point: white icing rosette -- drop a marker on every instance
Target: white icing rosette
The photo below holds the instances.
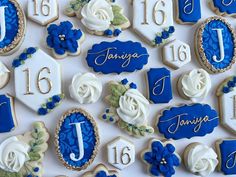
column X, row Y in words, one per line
column 195, row 85
column 85, row 88
column 133, row 107
column 13, row 154
column 97, row 15
column 201, row 159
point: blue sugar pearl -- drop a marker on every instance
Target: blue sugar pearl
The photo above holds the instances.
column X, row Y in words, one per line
column 171, row 29
column 36, row 169
column 165, row 34
column 50, row 105
column 16, row 63
column 124, row 81
column 31, row 50
column 226, row 90
column 104, row 116
column 107, row 110
column 111, row 119
column 158, row 40
column 29, row 175
column 231, row 84
column 56, row 98
column 133, row 85
column 23, row 56
column 108, row 32
column 42, row 111
column 117, row 32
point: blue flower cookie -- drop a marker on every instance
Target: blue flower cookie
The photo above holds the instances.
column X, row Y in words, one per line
column 101, row 171
column 223, row 7
column 216, row 45
column 8, row 120
column 13, row 26
column 160, row 158
column 76, row 139
column 64, row 40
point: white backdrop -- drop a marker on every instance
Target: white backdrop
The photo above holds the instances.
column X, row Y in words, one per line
column 36, row 35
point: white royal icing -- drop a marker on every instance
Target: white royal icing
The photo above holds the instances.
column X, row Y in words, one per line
column 133, row 107
column 13, row 154
column 202, row 160
column 97, row 15
column 4, row 75
column 2, row 23
column 85, row 88
column 196, row 84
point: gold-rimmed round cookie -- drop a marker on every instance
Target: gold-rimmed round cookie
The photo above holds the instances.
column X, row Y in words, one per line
column 13, row 25
column 76, row 139
column 215, row 45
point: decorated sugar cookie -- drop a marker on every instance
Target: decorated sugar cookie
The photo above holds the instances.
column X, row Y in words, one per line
column 64, row 40
column 120, row 153
column 100, row 17
column 226, row 149
column 13, row 24
column 22, row 155
column 85, row 88
column 194, row 85
column 159, row 85
column 8, row 120
column 226, row 93
column 223, row 7
column 153, row 20
column 4, row 75
column 188, row 11
column 37, row 80
column 43, row 12
column 215, row 45
column 187, row 121
column 101, row 171
column 129, row 109
column 200, row 159
column 117, row 57
column 176, row 54
column 160, row 158
column 78, row 131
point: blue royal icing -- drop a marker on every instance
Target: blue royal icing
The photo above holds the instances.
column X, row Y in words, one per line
column 77, row 139
column 117, row 57
column 162, row 159
column 103, row 174
column 225, row 6
column 187, row 121
column 6, row 114
column 227, row 150
column 159, row 84
column 189, row 10
column 212, row 46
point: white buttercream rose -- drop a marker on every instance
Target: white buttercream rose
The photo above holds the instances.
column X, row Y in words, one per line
column 201, row 160
column 13, row 154
column 97, row 15
column 133, row 107
column 196, row 84
column 85, row 88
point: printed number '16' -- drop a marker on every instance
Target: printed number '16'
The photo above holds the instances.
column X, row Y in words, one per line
column 125, row 158
column 44, row 7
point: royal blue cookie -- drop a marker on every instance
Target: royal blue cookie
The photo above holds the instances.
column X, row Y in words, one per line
column 224, row 7
column 13, row 24
column 189, row 11
column 216, row 45
column 187, row 121
column 159, row 85
column 8, row 120
column 226, row 150
column 77, row 139
column 117, row 57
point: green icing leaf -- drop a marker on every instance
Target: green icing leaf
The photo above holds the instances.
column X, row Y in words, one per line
column 9, row 174
column 117, row 90
column 34, row 156
column 75, row 6
column 119, row 18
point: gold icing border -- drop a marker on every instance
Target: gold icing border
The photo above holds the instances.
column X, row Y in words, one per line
column 21, row 31
column 56, row 142
column 199, row 47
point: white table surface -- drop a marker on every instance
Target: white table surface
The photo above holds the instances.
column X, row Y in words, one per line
column 36, row 35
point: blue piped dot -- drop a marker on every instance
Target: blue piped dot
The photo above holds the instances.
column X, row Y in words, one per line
column 29, row 175
column 231, row 84
column 36, row 169
column 165, row 34
column 104, row 116
column 158, row 40
column 171, row 29
column 108, row 32
column 56, row 98
column 117, row 32
column 124, row 81
column 31, row 50
column 111, row 119
column 226, row 90
column 23, row 56
column 50, row 105
column 133, row 85
column 16, row 63
column 107, row 110
column 42, row 111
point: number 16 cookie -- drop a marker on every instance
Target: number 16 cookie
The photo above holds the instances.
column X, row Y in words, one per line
column 37, row 80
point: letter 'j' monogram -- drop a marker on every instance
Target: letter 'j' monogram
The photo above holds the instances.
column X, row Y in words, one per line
column 2, row 23
column 221, row 46
column 80, row 142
